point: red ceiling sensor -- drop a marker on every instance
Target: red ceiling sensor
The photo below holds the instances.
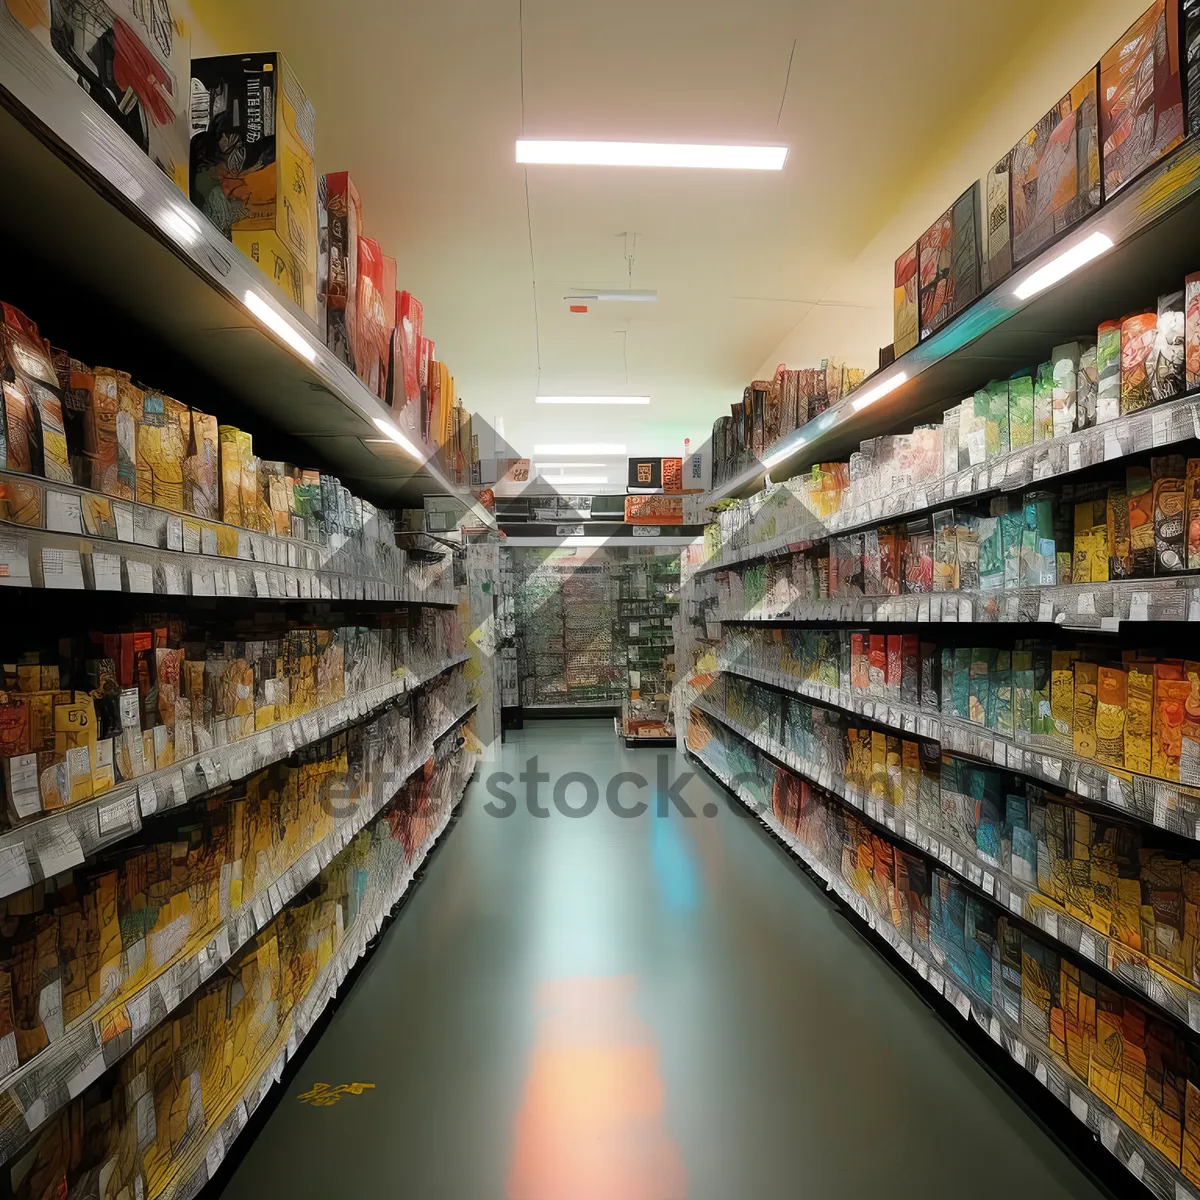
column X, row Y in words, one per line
column 579, row 308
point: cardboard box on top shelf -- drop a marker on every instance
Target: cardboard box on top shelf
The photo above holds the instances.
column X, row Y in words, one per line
column 343, row 223
column 252, row 165
column 376, row 315
column 133, row 60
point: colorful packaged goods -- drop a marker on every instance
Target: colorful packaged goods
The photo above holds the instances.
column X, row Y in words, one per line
column 1056, row 171
column 1169, row 486
column 36, row 434
column 948, row 262
column 252, row 166
column 1192, row 330
column 376, row 315
column 997, row 254
column 1108, row 365
column 1138, row 335
column 339, row 289
column 1166, row 366
column 1141, row 96
column 133, row 60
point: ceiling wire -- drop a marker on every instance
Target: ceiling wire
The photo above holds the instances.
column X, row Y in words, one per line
column 787, row 79
column 537, row 331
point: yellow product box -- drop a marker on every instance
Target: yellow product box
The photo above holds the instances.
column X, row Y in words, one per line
column 1062, row 696
column 252, row 165
column 1084, row 732
column 1139, row 715
column 231, row 475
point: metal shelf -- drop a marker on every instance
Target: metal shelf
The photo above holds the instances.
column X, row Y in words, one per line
column 108, row 226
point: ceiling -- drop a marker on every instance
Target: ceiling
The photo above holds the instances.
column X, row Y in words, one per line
column 885, row 106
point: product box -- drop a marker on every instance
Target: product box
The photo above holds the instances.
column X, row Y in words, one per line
column 948, row 262
column 1189, row 750
column 406, row 387
column 1063, row 148
column 996, row 230
column 1043, row 403
column 1087, row 388
column 1020, row 411
column 133, row 60
column 1192, row 514
column 978, row 699
column 252, row 172
column 376, row 315
column 931, row 676
column 161, row 451
column 1065, row 360
column 1139, row 716
column 229, row 437
column 961, row 682
column 1169, row 482
column 32, row 401
column 1171, row 691
column 1022, row 691
column 1166, row 367
column 1084, row 721
column 343, row 210
column 1139, row 489
column 950, row 436
column 997, row 426
column 1091, row 541
column 1137, row 344
column 1108, row 365
column 1141, row 96
column 1062, row 697
column 201, row 466
column 1192, row 306
column 1120, row 563
column 905, row 313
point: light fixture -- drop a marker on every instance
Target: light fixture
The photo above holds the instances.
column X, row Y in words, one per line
column 612, row 449
column 1062, row 266
column 180, row 225
column 777, row 456
column 569, row 466
column 878, row 392
column 573, row 479
column 650, row 154
column 283, row 329
column 592, row 400
column 634, row 295
column 386, row 427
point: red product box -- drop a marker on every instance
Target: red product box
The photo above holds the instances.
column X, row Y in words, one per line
column 877, row 663
column 859, row 676
column 376, row 317
column 406, row 387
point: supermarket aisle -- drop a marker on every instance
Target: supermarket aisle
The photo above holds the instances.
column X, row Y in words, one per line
column 637, row 1009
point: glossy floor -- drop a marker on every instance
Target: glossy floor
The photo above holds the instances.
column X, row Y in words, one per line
column 639, row 1008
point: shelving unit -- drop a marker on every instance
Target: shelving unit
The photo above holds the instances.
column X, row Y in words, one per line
column 105, row 218
column 246, row 864
column 646, row 608
column 828, row 713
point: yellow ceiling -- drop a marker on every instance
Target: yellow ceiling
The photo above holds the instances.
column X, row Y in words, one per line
column 892, row 108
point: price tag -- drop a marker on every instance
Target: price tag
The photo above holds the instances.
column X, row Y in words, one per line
column 1086, row 605
column 1112, row 445
column 1050, row 923
column 262, row 588
column 1045, row 610
column 1051, row 767
column 1160, row 427
column 175, row 533
column 147, row 798
column 1139, row 606
column 965, row 613
column 1074, row 456
column 1087, row 945
column 1016, row 903
column 989, row 883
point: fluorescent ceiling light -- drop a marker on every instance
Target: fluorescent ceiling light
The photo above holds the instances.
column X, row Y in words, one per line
column 396, row 436
column 571, row 466
column 1062, row 266
column 634, row 295
column 572, row 479
column 876, row 393
column 592, row 400
column 776, row 457
column 613, row 449
column 284, row 330
column 650, row 154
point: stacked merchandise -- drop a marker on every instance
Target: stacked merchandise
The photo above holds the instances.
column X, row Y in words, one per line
column 1128, row 1068
column 1122, row 117
column 159, row 1124
column 95, row 711
column 565, row 613
column 646, row 607
column 770, row 410
column 93, row 427
column 1147, row 359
